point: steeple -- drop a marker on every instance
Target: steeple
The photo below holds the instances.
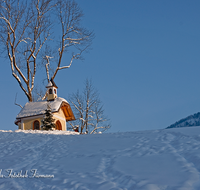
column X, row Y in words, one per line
column 51, row 90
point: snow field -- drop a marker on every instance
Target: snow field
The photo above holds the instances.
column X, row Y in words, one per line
column 146, row 160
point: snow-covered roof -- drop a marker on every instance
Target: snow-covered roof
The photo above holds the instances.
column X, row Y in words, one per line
column 49, row 84
column 37, row 108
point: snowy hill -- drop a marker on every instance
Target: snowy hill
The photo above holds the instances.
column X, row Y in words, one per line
column 144, row 160
column 192, row 120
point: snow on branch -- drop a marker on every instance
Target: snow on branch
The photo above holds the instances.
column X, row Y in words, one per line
column 73, row 57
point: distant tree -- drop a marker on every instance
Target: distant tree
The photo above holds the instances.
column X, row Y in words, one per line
column 48, row 120
column 192, row 120
column 89, row 112
column 34, row 31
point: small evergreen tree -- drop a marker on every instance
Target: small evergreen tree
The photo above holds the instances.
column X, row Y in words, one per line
column 48, row 121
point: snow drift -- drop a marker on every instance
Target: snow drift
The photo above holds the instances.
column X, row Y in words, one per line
column 145, row 160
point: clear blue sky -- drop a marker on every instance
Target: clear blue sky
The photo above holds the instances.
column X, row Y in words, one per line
column 145, row 62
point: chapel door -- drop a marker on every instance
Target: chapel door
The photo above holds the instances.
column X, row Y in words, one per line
column 36, row 125
column 58, row 125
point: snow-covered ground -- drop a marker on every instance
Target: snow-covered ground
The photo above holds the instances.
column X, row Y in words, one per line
column 166, row 159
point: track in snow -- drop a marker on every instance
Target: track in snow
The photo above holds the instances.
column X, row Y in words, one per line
column 147, row 160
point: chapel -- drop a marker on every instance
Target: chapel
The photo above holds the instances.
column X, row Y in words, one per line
column 32, row 114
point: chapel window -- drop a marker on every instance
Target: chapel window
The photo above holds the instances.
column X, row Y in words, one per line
column 50, row 91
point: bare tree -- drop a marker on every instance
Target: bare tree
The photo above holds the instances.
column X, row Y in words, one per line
column 26, row 33
column 88, row 111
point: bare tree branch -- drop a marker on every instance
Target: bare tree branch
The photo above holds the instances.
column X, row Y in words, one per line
column 69, row 15
column 103, row 127
column 16, row 100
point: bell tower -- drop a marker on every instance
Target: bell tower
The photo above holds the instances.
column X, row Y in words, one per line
column 51, row 90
